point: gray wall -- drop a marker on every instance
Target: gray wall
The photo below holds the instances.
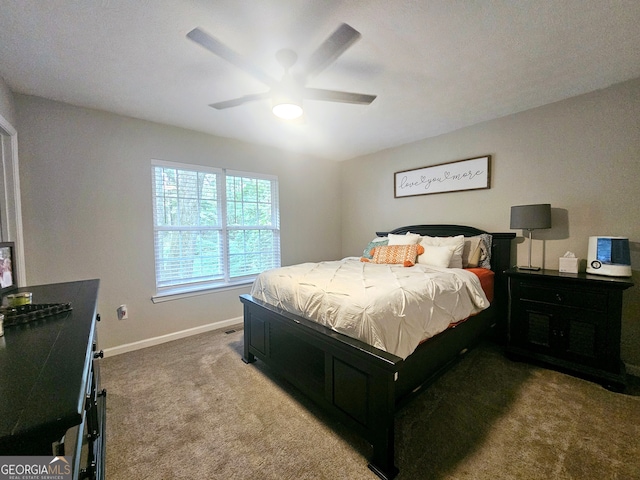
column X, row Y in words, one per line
column 581, row 155
column 87, row 211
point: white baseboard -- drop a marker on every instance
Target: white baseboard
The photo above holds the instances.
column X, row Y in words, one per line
column 149, row 342
column 633, row 370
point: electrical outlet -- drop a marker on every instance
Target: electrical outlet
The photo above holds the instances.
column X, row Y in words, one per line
column 123, row 312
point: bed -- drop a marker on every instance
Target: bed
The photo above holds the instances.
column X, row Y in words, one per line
column 359, row 384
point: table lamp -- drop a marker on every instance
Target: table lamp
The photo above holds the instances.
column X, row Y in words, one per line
column 531, row 217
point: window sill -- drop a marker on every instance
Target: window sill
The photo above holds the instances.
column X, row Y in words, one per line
column 182, row 292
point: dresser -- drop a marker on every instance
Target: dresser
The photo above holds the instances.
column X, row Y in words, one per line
column 568, row 321
column 51, row 401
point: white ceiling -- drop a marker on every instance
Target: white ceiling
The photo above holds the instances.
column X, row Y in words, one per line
column 436, row 66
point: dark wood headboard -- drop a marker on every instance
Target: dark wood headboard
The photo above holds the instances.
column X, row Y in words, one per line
column 500, row 248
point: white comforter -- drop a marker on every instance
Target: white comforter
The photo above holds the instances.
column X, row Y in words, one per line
column 390, row 307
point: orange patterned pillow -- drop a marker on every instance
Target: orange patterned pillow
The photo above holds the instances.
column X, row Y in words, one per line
column 397, row 254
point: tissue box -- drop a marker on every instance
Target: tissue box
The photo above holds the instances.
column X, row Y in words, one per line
column 569, row 265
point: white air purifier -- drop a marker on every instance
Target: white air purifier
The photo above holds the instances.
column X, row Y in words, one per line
column 609, row 256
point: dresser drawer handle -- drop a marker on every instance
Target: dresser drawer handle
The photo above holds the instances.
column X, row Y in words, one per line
column 559, row 298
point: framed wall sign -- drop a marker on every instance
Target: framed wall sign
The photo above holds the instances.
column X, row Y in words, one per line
column 468, row 174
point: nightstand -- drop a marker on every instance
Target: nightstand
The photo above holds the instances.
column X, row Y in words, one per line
column 568, row 321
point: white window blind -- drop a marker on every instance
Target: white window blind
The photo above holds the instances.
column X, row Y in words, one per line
column 212, row 227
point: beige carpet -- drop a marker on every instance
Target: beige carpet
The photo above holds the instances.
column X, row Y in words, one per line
column 191, row 409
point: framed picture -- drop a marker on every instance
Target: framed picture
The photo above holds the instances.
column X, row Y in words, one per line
column 468, row 174
column 8, row 276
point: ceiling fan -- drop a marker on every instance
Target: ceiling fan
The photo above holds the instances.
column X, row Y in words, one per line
column 287, row 94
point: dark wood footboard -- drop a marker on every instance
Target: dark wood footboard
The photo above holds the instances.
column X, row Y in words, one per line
column 347, row 378
column 360, row 385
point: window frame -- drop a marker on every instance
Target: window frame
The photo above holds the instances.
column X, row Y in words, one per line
column 187, row 289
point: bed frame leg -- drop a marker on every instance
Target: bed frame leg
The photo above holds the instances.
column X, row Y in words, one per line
column 383, row 475
column 247, row 356
column 383, row 457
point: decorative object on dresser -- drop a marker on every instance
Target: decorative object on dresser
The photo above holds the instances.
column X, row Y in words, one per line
column 8, row 274
column 572, row 322
column 530, row 218
column 361, row 385
column 22, row 314
column 52, row 402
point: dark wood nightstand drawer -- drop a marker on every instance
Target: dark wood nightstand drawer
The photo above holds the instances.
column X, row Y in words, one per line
column 562, row 296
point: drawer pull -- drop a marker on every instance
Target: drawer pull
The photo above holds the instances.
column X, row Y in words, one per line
column 559, row 298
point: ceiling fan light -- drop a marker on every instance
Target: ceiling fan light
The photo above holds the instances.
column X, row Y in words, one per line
column 287, row 110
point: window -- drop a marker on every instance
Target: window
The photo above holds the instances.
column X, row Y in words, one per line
column 212, row 227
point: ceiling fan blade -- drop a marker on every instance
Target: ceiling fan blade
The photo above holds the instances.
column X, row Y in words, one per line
column 218, row 48
column 336, row 96
column 240, row 101
column 331, row 49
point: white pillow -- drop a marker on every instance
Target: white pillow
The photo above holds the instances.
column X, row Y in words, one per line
column 472, row 252
column 436, row 256
column 457, row 242
column 407, row 239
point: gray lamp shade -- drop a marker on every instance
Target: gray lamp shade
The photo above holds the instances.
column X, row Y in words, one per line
column 531, row 217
